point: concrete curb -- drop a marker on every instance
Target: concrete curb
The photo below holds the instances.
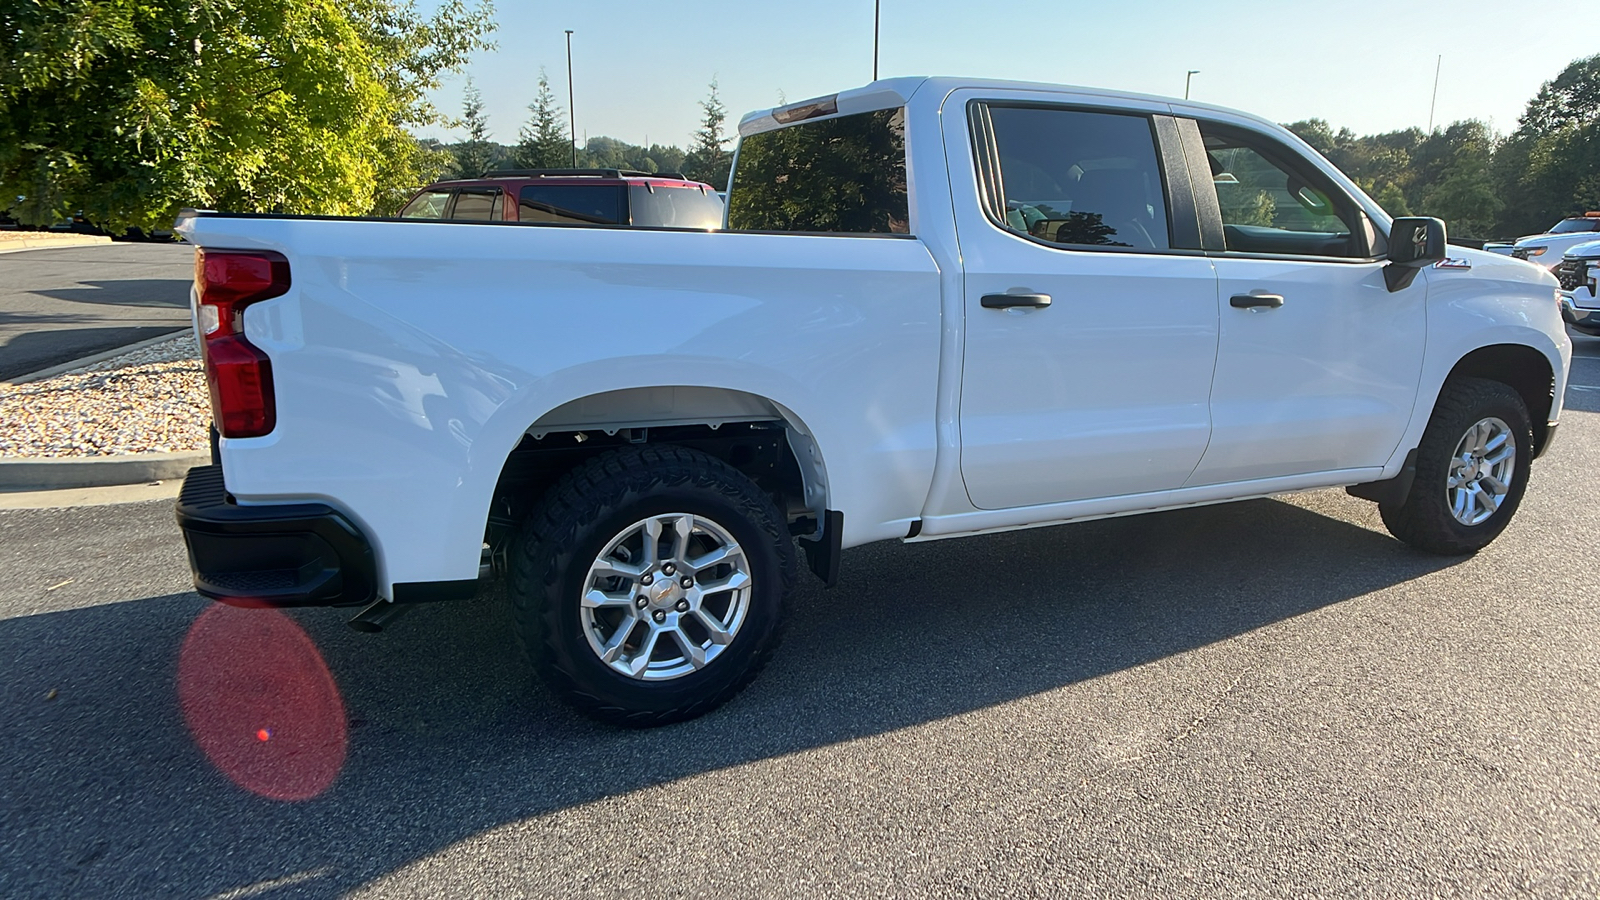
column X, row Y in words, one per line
column 92, row 358
column 43, row 240
column 98, row 471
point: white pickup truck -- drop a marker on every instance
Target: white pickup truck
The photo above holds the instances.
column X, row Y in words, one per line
column 939, row 308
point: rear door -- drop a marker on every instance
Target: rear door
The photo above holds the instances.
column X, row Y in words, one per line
column 1090, row 308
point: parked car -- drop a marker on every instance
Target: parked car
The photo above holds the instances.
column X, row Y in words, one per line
column 1547, row 249
column 1580, row 297
column 941, row 307
column 572, row 197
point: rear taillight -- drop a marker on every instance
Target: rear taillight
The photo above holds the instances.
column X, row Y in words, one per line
column 238, row 373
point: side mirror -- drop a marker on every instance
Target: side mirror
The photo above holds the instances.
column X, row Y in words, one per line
column 1413, row 244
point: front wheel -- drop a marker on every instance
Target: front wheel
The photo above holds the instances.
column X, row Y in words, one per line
column 1472, row 469
column 650, row 584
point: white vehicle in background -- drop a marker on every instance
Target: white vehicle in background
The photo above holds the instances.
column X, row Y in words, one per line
column 1547, row 249
column 1580, row 297
column 941, row 307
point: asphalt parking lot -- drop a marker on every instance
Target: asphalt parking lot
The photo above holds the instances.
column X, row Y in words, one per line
column 57, row 305
column 1264, row 699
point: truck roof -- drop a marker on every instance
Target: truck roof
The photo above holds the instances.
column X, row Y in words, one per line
column 892, row 92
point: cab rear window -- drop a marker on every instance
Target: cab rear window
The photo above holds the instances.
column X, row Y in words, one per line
column 844, row 175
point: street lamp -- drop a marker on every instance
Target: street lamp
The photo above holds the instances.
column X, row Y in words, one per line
column 572, row 114
column 876, row 9
column 1186, row 79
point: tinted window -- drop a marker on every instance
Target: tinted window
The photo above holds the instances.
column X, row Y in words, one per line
column 1081, row 178
column 846, row 174
column 478, row 206
column 1576, row 226
column 1272, row 201
column 427, row 205
column 571, row 204
column 674, row 207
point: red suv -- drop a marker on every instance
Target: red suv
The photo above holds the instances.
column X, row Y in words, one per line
column 572, row 197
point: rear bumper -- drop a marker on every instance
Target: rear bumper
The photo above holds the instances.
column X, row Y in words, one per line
column 300, row 554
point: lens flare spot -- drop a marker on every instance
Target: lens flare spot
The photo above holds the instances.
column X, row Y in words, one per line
column 241, row 666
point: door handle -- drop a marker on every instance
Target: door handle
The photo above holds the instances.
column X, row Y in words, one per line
column 1254, row 300
column 1010, row 301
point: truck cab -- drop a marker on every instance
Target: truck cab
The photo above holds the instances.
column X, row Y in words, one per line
column 939, row 307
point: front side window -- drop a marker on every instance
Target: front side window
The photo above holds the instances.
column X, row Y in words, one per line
column 1272, row 202
column 571, row 204
column 1087, row 179
column 426, row 205
column 842, row 175
column 477, row 206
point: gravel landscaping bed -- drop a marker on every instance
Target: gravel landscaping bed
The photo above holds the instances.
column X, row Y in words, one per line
column 149, row 400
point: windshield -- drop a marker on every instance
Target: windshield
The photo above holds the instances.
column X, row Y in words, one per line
column 1575, row 226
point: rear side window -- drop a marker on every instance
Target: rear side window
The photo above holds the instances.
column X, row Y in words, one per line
column 674, row 207
column 477, row 206
column 571, row 204
column 427, row 205
column 1080, row 178
column 844, row 175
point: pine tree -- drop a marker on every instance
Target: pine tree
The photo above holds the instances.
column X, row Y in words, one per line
column 542, row 143
column 709, row 160
column 475, row 154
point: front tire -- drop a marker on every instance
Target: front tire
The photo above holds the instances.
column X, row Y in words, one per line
column 1472, row 470
column 650, row 584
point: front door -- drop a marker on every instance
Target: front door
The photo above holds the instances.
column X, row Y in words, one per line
column 1091, row 314
column 1318, row 363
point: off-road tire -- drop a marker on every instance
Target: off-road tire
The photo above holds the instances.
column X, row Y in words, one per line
column 1424, row 520
column 571, row 525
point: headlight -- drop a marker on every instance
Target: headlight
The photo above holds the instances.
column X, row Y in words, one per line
column 1536, row 251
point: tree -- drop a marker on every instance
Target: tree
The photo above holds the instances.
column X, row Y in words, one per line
column 474, row 155
column 708, row 160
column 1547, row 168
column 129, row 110
column 1571, row 98
column 543, row 143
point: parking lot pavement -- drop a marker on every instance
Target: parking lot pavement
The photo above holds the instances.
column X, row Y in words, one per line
column 1264, row 699
column 57, row 305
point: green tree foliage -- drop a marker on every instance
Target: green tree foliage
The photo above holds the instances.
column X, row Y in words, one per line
column 130, row 109
column 1483, row 187
column 841, row 174
column 477, row 153
column 709, row 160
column 543, row 143
column 1550, row 166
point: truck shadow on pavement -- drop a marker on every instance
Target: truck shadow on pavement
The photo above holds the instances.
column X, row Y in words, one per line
column 106, row 792
column 32, row 351
column 162, row 292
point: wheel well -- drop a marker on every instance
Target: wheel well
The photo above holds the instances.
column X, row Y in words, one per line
column 1526, row 370
column 763, row 449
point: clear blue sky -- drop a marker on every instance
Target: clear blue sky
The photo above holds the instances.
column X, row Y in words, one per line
column 640, row 69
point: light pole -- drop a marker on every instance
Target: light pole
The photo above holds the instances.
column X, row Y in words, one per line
column 1438, row 64
column 572, row 114
column 1186, row 79
column 876, row 9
